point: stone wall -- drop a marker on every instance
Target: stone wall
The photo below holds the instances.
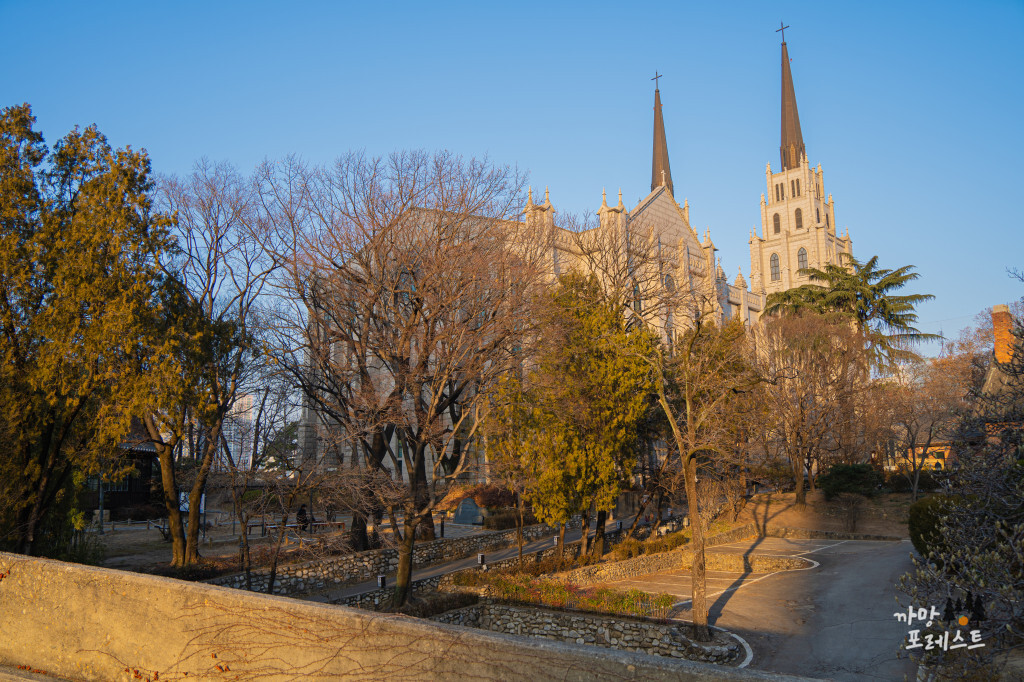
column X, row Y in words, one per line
column 613, row 632
column 363, row 566
column 804, row 534
column 87, row 623
column 375, row 598
column 656, row 563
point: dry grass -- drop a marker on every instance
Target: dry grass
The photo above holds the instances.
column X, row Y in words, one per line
column 881, row 515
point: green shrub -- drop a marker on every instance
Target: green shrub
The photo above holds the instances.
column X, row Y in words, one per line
column 923, row 522
column 507, row 518
column 898, row 482
column 631, row 547
column 433, row 603
column 862, row 479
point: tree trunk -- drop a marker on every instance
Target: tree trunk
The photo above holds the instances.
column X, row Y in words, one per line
column 281, row 530
column 798, row 479
column 598, row 548
column 521, row 505
column 195, row 497
column 698, row 571
column 357, row 534
column 560, row 549
column 244, row 557
column 165, row 456
column 403, row 580
column 584, row 533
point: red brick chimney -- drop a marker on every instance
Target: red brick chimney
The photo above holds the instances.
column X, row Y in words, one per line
column 1002, row 325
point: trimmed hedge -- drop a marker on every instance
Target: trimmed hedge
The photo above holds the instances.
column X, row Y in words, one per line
column 923, row 522
column 862, row 479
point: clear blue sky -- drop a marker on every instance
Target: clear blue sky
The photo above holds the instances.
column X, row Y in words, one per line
column 915, row 110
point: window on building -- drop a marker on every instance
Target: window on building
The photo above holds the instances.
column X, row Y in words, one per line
column 776, row 273
column 799, row 215
column 817, row 215
column 636, row 299
column 777, row 222
column 801, row 258
column 792, row 188
column 798, row 187
column 826, row 218
column 670, row 284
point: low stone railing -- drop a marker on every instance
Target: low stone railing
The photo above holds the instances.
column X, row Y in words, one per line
column 86, row 623
column 612, row 632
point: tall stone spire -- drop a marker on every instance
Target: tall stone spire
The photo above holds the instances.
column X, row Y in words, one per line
column 661, row 174
column 791, row 150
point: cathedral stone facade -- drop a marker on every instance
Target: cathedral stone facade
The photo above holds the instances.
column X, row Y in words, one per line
column 798, row 227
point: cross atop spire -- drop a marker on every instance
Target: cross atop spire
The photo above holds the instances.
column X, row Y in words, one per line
column 656, row 77
column 781, row 29
column 791, row 147
column 661, row 173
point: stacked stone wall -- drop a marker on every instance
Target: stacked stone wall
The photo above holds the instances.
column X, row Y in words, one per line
column 662, row 561
column 612, row 632
column 375, row 598
column 804, row 534
column 363, row 566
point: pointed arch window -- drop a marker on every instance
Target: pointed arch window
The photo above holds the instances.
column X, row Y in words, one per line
column 801, row 258
column 826, row 219
column 636, row 298
column 776, row 272
column 817, row 215
column 777, row 223
column 670, row 285
column 799, row 215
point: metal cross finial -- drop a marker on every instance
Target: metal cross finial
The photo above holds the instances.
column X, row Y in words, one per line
column 656, row 77
column 781, row 29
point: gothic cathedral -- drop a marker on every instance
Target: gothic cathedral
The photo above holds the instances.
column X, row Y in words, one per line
column 798, row 222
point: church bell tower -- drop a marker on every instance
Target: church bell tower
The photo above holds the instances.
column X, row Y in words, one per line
column 798, row 223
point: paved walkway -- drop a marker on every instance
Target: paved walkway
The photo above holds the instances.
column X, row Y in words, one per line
column 333, row 594
column 833, row 619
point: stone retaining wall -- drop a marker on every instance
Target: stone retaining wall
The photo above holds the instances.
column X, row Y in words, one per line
column 655, row 563
column 804, row 534
column 375, row 598
column 363, row 566
column 612, row 632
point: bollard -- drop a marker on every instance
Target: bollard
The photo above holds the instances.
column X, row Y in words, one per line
column 620, row 526
column 554, row 542
column 381, row 581
column 480, row 559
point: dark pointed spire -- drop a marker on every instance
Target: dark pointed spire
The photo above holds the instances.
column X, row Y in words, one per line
column 661, row 174
column 791, row 150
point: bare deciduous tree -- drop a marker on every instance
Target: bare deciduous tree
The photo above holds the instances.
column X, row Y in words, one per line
column 223, row 265
column 814, row 372
column 411, row 281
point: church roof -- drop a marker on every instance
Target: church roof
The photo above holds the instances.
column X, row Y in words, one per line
column 791, row 148
column 661, row 174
